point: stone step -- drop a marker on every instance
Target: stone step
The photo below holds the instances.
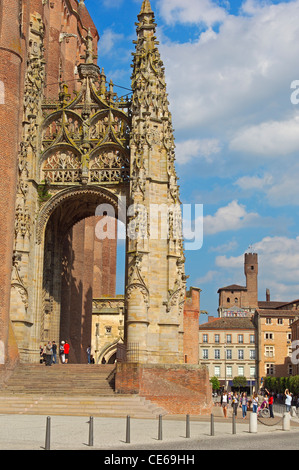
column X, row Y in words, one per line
column 119, row 406
column 71, row 379
column 70, row 390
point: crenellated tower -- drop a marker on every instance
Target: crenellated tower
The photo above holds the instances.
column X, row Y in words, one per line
column 156, row 279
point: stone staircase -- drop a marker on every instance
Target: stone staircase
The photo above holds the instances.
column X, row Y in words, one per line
column 70, row 390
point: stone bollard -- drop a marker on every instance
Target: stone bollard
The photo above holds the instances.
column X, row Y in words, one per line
column 286, row 422
column 48, row 434
column 234, row 431
column 90, row 436
column 160, row 428
column 128, row 430
column 253, row 423
column 212, row 433
column 187, row 426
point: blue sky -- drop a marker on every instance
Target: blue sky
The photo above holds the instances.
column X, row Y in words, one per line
column 229, row 69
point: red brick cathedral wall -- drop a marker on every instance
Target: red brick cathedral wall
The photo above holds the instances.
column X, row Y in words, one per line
column 58, row 16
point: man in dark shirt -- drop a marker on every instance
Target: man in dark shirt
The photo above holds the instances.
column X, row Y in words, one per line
column 54, row 349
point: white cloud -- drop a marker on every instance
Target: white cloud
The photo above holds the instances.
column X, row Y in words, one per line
column 236, row 77
column 208, row 277
column 254, row 182
column 225, row 247
column 191, row 11
column 285, row 188
column 197, row 148
column 232, row 262
column 231, row 217
column 109, row 39
column 272, row 138
column 278, row 266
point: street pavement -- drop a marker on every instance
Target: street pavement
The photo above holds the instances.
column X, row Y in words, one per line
column 28, row 432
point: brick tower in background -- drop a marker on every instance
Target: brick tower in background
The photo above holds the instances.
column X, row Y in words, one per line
column 251, row 273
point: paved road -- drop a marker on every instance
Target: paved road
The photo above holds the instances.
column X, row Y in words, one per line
column 278, row 441
column 25, row 432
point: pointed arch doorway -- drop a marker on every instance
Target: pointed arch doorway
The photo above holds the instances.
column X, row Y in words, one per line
column 77, row 267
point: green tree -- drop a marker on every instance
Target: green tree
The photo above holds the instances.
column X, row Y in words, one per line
column 239, row 381
column 215, row 383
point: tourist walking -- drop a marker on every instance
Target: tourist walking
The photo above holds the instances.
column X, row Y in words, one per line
column 235, row 402
column 41, row 354
column 224, row 402
column 61, row 352
column 271, row 403
column 66, row 351
column 288, row 400
column 244, row 403
column 255, row 402
column 49, row 353
column 54, row 349
column 88, row 350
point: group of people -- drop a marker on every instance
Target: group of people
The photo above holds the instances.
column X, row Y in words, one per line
column 48, row 353
column 241, row 400
column 235, row 400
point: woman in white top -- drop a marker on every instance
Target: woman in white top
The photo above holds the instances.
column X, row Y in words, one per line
column 224, row 402
column 255, row 402
column 288, row 400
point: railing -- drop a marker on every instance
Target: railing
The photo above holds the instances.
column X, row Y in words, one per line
column 127, row 352
column 280, row 408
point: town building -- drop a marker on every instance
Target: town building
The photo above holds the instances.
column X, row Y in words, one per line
column 274, row 342
column 295, row 346
column 272, row 321
column 227, row 346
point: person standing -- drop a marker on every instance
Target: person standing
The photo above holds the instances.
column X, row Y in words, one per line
column 41, row 354
column 288, row 400
column 54, row 349
column 224, row 402
column 271, row 403
column 61, row 352
column 255, row 402
column 235, row 402
column 244, row 403
column 66, row 351
column 88, row 350
column 49, row 353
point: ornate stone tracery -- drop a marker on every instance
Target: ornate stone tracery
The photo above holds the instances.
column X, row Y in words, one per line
column 88, row 147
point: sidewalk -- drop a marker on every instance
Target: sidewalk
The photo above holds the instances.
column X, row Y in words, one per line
column 27, row 432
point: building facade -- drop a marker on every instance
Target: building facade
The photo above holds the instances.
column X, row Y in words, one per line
column 227, row 346
column 272, row 321
column 240, row 301
column 74, row 146
column 274, row 329
column 295, row 346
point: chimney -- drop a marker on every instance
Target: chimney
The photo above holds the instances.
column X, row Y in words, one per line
column 268, row 295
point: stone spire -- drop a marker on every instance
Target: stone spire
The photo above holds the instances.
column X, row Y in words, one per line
column 146, row 7
column 148, row 79
column 155, row 309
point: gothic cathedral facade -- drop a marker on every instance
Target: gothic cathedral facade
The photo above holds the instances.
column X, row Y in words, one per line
column 71, row 150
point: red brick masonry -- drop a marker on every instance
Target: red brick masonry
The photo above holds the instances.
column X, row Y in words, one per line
column 179, row 389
